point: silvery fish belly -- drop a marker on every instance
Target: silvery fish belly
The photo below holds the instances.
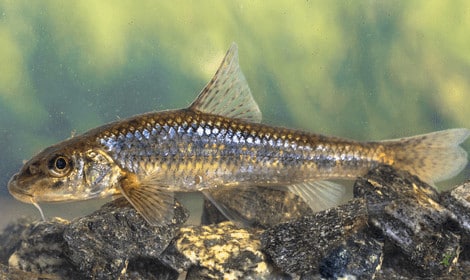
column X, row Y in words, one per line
column 219, row 142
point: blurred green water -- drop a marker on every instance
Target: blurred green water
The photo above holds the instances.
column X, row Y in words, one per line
column 358, row 69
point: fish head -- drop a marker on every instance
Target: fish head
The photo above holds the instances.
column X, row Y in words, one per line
column 68, row 171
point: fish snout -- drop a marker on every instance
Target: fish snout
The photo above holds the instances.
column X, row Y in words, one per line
column 17, row 191
column 13, row 178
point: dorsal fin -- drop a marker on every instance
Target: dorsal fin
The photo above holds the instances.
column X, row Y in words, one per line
column 228, row 94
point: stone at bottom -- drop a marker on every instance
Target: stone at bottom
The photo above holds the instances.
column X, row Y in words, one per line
column 458, row 201
column 40, row 249
column 106, row 243
column 300, row 246
column 110, row 243
column 219, row 251
column 408, row 214
column 360, row 256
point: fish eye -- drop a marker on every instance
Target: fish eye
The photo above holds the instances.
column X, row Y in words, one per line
column 60, row 163
column 59, row 166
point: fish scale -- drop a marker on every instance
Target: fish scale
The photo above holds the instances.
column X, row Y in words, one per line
column 251, row 150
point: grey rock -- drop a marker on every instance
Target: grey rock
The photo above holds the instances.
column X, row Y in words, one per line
column 457, row 200
column 460, row 271
column 103, row 244
column 299, row 246
column 11, row 273
column 465, row 245
column 113, row 242
column 12, row 236
column 407, row 212
column 40, row 249
column 358, row 257
column 149, row 269
column 176, row 259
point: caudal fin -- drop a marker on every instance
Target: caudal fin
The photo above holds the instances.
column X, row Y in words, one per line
column 432, row 157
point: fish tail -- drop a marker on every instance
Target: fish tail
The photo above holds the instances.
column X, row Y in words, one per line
column 432, row 157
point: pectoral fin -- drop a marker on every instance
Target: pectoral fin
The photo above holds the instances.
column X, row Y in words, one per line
column 153, row 202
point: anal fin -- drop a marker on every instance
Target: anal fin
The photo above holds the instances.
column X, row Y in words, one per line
column 153, row 202
column 319, row 195
column 257, row 206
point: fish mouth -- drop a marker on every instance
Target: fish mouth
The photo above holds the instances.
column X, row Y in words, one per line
column 18, row 192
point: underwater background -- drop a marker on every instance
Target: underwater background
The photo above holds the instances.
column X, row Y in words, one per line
column 366, row 70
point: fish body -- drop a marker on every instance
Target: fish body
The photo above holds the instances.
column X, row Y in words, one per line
column 187, row 150
column 218, row 142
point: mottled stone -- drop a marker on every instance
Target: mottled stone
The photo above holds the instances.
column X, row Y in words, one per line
column 41, row 249
column 221, row 251
column 254, row 206
column 299, row 246
column 103, row 244
column 149, row 269
column 408, row 214
column 12, row 236
column 358, row 257
column 465, row 245
column 198, row 273
column 460, row 271
column 457, row 200
column 10, row 273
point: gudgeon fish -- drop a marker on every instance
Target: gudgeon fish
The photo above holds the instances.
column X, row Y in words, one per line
column 219, row 142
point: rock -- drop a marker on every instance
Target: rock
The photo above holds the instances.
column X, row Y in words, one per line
column 407, row 212
column 457, row 200
column 12, row 236
column 103, row 244
column 360, row 256
column 41, row 249
column 460, row 271
column 220, row 251
column 112, row 242
column 10, row 273
column 299, row 246
column 400, row 220
column 148, row 269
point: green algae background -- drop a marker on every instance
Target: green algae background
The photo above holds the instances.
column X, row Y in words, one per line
column 366, row 70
